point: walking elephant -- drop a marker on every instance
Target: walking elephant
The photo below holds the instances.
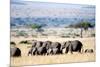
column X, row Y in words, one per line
column 72, row 46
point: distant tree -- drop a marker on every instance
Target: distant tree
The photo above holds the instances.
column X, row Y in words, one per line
column 38, row 27
column 22, row 33
column 83, row 26
column 35, row 26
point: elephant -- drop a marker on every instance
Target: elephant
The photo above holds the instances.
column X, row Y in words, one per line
column 55, row 48
column 49, row 51
column 65, row 47
column 39, row 44
column 72, row 46
column 38, row 48
column 89, row 51
column 34, row 43
column 15, row 52
column 55, row 51
column 44, row 46
column 41, row 51
column 32, row 51
column 47, row 44
column 56, row 45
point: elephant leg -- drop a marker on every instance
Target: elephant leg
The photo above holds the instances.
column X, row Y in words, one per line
column 28, row 53
column 39, row 53
column 70, row 49
column 42, row 53
column 51, row 52
column 61, row 52
column 36, row 53
column 79, row 51
column 32, row 53
column 66, row 50
column 47, row 54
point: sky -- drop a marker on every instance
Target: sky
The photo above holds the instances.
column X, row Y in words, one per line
column 26, row 8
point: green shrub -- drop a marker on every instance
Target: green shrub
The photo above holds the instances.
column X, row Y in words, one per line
column 12, row 43
column 77, row 35
column 65, row 36
column 22, row 33
column 34, row 36
column 25, row 42
column 93, row 35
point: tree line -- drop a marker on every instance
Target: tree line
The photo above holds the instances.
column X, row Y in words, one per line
column 81, row 25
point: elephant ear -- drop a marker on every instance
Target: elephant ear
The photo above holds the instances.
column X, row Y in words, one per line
column 62, row 45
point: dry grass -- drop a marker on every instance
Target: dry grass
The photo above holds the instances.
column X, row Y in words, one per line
column 64, row 58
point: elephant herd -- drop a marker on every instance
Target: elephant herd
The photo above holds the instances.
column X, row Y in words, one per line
column 51, row 48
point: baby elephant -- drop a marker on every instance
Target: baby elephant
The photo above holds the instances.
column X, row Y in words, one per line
column 89, row 51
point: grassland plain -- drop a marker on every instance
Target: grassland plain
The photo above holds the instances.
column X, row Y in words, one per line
column 88, row 43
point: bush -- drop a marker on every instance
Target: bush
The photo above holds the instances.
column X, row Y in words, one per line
column 93, row 35
column 22, row 33
column 25, row 42
column 12, row 43
column 65, row 36
column 77, row 35
column 34, row 36
column 84, row 25
column 45, row 34
column 35, row 26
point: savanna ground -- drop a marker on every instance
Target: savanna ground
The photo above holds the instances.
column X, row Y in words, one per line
column 88, row 43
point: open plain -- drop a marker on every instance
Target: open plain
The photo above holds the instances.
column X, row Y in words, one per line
column 88, row 43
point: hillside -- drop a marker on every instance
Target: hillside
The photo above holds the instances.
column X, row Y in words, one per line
column 51, row 14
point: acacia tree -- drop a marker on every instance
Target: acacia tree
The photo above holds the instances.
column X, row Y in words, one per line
column 35, row 26
column 38, row 27
column 82, row 26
